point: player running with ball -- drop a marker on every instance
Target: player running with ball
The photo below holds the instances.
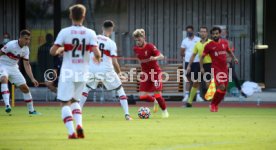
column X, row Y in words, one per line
column 217, row 49
column 151, row 79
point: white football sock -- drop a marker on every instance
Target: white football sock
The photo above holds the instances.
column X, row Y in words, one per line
column 5, row 93
column 84, row 96
column 67, row 118
column 77, row 114
column 28, row 99
column 123, row 99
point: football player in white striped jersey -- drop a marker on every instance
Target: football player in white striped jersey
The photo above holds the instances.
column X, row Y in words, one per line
column 77, row 42
column 10, row 54
column 108, row 70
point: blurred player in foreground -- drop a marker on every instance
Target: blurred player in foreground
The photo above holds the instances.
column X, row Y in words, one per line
column 78, row 41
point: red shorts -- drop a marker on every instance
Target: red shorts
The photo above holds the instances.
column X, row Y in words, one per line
column 151, row 85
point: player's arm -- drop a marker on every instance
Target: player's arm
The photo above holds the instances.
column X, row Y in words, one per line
column 97, row 53
column 159, row 57
column 56, row 50
column 156, row 54
column 116, row 65
column 233, row 56
column 29, row 72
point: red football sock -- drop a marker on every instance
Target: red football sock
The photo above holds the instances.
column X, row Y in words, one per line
column 147, row 98
column 218, row 97
column 161, row 101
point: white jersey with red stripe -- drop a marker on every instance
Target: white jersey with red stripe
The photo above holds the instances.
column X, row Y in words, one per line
column 108, row 50
column 78, row 42
column 13, row 53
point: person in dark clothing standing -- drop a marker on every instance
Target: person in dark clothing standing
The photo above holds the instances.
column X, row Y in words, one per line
column 44, row 60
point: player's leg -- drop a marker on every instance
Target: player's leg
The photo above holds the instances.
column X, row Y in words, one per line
column 158, row 86
column 64, row 94
column 207, row 77
column 18, row 79
column 196, row 78
column 67, row 118
column 28, row 98
column 92, row 84
column 162, row 103
column 124, row 103
column 76, row 108
column 221, row 85
column 145, row 96
column 111, row 82
column 85, row 92
column 192, row 94
column 5, row 93
column 187, row 85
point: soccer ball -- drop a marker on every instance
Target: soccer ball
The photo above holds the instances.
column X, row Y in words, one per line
column 144, row 113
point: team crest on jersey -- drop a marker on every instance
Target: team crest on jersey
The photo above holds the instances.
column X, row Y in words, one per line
column 223, row 46
column 216, row 53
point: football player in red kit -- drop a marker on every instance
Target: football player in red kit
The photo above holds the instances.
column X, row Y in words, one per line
column 151, row 78
column 217, row 49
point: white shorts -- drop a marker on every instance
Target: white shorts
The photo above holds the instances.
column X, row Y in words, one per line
column 69, row 90
column 110, row 80
column 13, row 73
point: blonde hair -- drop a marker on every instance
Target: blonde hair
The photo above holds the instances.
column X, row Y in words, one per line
column 77, row 12
column 138, row 33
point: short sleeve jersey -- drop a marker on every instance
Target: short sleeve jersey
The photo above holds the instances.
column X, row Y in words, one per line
column 13, row 53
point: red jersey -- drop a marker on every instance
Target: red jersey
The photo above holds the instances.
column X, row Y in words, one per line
column 144, row 53
column 217, row 51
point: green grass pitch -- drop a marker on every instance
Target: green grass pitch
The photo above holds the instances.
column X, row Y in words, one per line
column 105, row 128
